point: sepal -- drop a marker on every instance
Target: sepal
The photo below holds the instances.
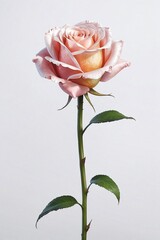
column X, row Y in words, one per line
column 68, row 101
column 94, row 92
column 89, row 101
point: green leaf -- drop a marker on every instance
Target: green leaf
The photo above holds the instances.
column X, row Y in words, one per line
column 68, row 101
column 58, row 203
column 94, row 92
column 107, row 183
column 107, row 116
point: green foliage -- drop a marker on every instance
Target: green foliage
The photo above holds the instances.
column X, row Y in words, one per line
column 107, row 116
column 107, row 183
column 58, row 203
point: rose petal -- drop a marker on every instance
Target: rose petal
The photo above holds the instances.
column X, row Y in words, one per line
column 66, row 56
column 45, row 68
column 99, row 35
column 87, row 42
column 107, row 39
column 116, row 49
column 51, row 44
column 87, row 24
column 58, row 63
column 116, row 69
column 87, row 82
column 73, row 89
column 97, row 46
column 72, row 45
column 64, row 70
column 96, row 32
column 106, row 44
column 55, row 46
column 74, row 38
column 96, row 74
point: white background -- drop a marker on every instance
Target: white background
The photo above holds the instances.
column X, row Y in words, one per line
column 38, row 151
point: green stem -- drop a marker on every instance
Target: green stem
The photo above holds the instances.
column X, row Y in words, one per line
column 82, row 167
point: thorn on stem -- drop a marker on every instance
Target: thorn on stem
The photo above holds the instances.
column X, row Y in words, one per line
column 88, row 188
column 83, row 160
column 88, row 226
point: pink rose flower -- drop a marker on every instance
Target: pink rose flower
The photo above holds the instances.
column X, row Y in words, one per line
column 79, row 57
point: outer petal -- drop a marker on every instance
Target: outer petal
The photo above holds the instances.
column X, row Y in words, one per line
column 88, row 24
column 106, row 44
column 96, row 74
column 56, row 62
column 45, row 68
column 66, row 56
column 89, row 79
column 64, row 70
column 116, row 69
column 116, row 49
column 51, row 44
column 73, row 89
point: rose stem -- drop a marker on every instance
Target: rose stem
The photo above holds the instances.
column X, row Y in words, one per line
column 82, row 167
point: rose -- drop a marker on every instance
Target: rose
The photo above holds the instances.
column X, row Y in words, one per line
column 79, row 57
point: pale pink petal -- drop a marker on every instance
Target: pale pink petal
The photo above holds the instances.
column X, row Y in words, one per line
column 116, row 69
column 64, row 70
column 99, row 35
column 95, row 31
column 51, row 44
column 84, row 51
column 97, row 46
column 56, row 47
column 90, row 42
column 58, row 63
column 61, row 34
column 116, row 49
column 66, row 56
column 45, row 68
column 93, row 40
column 87, row 42
column 96, row 74
column 72, row 45
column 107, row 39
column 88, row 24
column 72, row 39
column 106, row 44
column 73, row 89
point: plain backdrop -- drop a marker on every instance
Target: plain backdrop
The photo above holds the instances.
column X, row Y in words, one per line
column 38, row 145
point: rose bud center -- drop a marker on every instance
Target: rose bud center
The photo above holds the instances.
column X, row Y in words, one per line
column 88, row 61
